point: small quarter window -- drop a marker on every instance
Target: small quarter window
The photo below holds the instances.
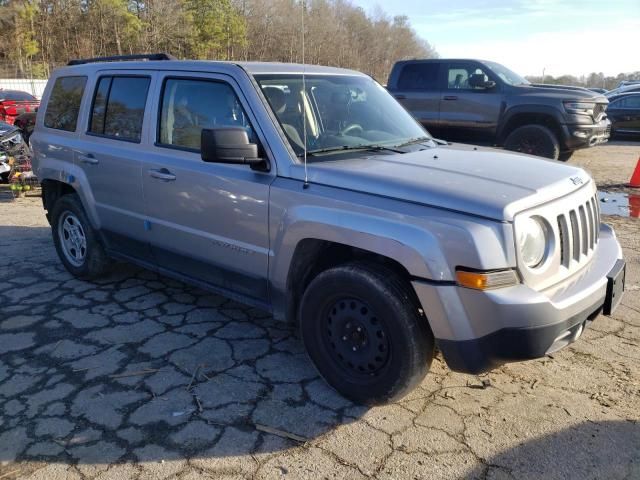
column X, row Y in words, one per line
column 189, row 105
column 118, row 107
column 64, row 103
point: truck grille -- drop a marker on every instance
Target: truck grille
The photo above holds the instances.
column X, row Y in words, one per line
column 578, row 231
column 599, row 111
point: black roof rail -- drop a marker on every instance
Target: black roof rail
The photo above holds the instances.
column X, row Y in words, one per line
column 119, row 58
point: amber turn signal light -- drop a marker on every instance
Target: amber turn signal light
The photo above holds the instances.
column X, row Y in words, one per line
column 486, row 280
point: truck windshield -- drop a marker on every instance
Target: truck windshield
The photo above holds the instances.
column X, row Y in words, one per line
column 339, row 113
column 507, row 76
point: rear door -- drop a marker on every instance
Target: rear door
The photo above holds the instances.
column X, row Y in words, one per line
column 208, row 221
column 109, row 151
column 469, row 112
column 418, row 90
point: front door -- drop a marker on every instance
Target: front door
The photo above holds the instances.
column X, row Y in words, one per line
column 469, row 111
column 208, row 221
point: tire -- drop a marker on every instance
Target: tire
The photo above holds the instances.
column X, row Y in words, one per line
column 369, row 309
column 4, row 177
column 534, row 140
column 564, row 156
column 76, row 242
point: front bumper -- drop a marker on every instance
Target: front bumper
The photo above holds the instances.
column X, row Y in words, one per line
column 480, row 330
column 584, row 136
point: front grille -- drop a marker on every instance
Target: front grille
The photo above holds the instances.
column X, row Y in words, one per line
column 578, row 231
column 599, row 111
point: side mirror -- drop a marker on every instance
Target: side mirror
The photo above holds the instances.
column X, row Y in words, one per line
column 489, row 84
column 230, row 145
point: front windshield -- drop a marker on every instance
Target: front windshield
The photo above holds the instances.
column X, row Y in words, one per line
column 507, row 76
column 338, row 112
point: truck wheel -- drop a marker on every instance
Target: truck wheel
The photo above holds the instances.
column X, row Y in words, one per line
column 363, row 331
column 534, row 140
column 75, row 239
column 564, row 156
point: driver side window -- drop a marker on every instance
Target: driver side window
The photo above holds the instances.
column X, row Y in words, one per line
column 466, row 77
column 190, row 105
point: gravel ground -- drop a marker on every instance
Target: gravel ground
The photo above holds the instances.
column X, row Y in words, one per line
column 139, row 376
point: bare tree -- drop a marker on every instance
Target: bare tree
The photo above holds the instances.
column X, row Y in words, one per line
column 38, row 35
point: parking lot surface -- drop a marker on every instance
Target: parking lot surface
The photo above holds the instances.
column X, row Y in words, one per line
column 140, row 376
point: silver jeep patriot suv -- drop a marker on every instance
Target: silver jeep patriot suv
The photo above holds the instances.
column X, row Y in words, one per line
column 311, row 193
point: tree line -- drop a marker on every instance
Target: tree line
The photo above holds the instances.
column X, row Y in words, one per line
column 39, row 35
column 593, row 80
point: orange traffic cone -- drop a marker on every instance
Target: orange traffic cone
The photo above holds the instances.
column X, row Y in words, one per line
column 635, row 178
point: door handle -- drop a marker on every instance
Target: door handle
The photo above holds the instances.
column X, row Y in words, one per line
column 162, row 174
column 400, row 97
column 450, row 97
column 88, row 158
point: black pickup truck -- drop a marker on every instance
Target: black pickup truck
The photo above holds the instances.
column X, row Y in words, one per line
column 474, row 101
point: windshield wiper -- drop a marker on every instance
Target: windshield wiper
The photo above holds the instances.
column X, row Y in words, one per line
column 412, row 141
column 343, row 148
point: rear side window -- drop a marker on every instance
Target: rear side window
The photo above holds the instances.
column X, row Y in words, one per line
column 419, row 76
column 118, row 107
column 64, row 103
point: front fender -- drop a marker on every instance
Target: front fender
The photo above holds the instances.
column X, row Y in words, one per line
column 428, row 242
column 528, row 109
column 415, row 249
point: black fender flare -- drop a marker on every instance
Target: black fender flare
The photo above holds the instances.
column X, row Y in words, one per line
column 511, row 112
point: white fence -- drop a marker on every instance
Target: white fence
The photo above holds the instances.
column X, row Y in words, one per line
column 34, row 87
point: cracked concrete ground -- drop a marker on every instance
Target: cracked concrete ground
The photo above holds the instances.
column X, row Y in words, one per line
column 139, row 376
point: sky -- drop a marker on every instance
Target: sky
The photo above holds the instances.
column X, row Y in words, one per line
column 562, row 37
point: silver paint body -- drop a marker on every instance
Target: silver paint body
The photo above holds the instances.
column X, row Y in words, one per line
column 431, row 211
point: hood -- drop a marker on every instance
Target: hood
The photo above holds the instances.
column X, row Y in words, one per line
column 7, row 129
column 485, row 182
column 564, row 92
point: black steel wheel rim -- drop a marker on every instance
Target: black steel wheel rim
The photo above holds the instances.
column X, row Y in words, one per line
column 532, row 146
column 356, row 338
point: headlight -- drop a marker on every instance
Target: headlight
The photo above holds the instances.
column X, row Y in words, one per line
column 532, row 240
column 579, row 108
column 15, row 139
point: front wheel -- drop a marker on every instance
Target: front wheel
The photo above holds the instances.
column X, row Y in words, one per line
column 363, row 331
column 534, row 140
column 565, row 156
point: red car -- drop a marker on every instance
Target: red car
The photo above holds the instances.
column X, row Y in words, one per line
column 14, row 103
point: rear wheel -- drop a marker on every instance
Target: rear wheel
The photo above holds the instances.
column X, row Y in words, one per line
column 363, row 331
column 534, row 140
column 75, row 239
